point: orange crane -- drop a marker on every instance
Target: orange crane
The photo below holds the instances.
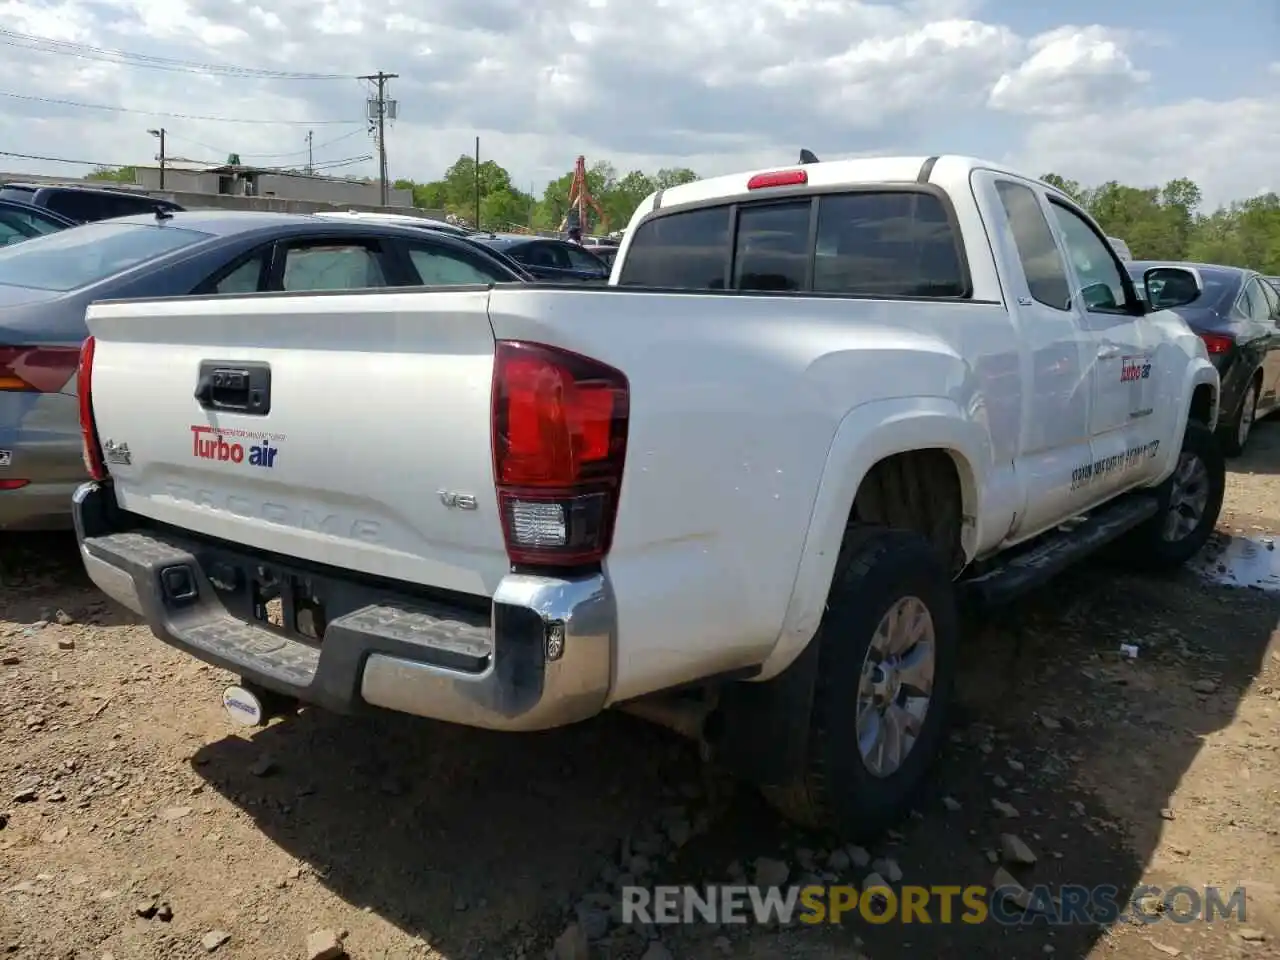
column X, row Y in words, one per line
column 580, row 198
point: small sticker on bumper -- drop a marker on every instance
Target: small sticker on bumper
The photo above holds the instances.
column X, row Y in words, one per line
column 6, row 458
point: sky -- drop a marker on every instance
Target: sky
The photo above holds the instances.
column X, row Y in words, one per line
column 1139, row 91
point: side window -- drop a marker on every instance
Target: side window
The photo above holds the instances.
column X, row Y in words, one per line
column 535, row 255
column 128, row 206
column 334, row 265
column 78, row 206
column 552, row 255
column 685, row 251
column 248, row 277
column 1244, row 303
column 887, row 244
column 443, row 267
column 1259, row 306
column 1101, row 287
column 12, row 229
column 772, row 248
column 1037, row 250
column 1273, row 299
column 581, row 260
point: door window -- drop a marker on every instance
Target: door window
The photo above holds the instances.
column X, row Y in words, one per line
column 1101, row 283
column 246, row 278
column 436, row 266
column 11, row 231
column 1273, row 299
column 1257, row 306
column 772, row 248
column 334, row 265
column 1037, row 250
column 80, row 206
column 581, row 260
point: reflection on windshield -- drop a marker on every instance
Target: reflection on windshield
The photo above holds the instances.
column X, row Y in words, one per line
column 88, row 253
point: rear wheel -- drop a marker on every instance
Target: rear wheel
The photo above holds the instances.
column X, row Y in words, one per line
column 886, row 666
column 1235, row 435
column 1190, row 501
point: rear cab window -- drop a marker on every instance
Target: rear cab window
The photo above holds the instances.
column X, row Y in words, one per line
column 879, row 242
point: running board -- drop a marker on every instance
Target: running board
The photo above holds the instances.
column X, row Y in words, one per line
column 1035, row 565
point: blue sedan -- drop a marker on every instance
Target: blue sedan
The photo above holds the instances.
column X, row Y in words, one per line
column 47, row 283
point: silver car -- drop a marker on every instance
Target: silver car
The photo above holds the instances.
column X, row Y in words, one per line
column 46, row 283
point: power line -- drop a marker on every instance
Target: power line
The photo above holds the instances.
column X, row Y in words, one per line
column 268, row 156
column 324, row 165
column 84, row 51
column 86, row 163
column 176, row 116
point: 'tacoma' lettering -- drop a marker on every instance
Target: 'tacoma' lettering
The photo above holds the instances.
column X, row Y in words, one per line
column 208, row 444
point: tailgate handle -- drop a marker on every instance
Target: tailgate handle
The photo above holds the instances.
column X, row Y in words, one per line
column 234, row 387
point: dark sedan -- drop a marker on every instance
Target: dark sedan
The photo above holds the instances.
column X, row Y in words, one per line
column 546, row 258
column 22, row 221
column 47, row 283
column 1238, row 318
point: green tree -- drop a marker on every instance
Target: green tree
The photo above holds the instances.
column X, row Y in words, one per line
column 114, row 174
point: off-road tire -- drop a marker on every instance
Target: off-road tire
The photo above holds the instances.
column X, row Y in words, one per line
column 1145, row 547
column 1229, row 433
column 877, row 567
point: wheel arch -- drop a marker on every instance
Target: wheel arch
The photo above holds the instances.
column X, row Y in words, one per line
column 868, row 436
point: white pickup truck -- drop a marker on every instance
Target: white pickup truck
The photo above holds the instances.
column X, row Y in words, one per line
column 743, row 490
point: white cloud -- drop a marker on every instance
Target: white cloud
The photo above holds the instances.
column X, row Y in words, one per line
column 1069, row 71
column 641, row 83
column 1199, row 139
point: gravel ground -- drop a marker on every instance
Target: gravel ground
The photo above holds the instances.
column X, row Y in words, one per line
column 137, row 822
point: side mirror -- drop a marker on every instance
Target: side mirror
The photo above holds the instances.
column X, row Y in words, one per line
column 1099, row 295
column 1170, row 287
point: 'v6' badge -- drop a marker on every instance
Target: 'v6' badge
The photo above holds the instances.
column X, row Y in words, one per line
column 460, row 501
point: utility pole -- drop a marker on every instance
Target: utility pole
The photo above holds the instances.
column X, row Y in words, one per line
column 160, row 133
column 379, row 107
column 477, row 179
column 310, row 159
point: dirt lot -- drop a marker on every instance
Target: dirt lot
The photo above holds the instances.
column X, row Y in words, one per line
column 137, row 822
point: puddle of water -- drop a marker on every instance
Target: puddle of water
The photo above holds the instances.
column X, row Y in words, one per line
column 1240, row 562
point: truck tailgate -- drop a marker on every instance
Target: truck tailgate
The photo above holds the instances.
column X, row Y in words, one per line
column 374, row 454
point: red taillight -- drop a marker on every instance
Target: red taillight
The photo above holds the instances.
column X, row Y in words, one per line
column 782, row 178
column 1216, row 344
column 93, row 461
column 13, row 484
column 36, row 369
column 559, row 441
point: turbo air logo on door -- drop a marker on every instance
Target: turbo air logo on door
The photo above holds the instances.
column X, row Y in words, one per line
column 235, row 446
column 1134, row 368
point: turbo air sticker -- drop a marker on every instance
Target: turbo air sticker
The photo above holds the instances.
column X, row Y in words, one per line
column 235, row 446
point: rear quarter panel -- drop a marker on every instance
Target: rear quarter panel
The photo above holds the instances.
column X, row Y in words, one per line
column 735, row 404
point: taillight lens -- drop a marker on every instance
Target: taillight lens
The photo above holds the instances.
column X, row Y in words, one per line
column 36, row 369
column 559, row 442
column 1216, row 344
column 92, row 450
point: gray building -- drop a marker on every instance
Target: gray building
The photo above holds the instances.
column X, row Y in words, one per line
column 235, row 180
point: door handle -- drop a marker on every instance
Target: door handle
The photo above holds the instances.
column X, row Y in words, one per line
column 1108, row 351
